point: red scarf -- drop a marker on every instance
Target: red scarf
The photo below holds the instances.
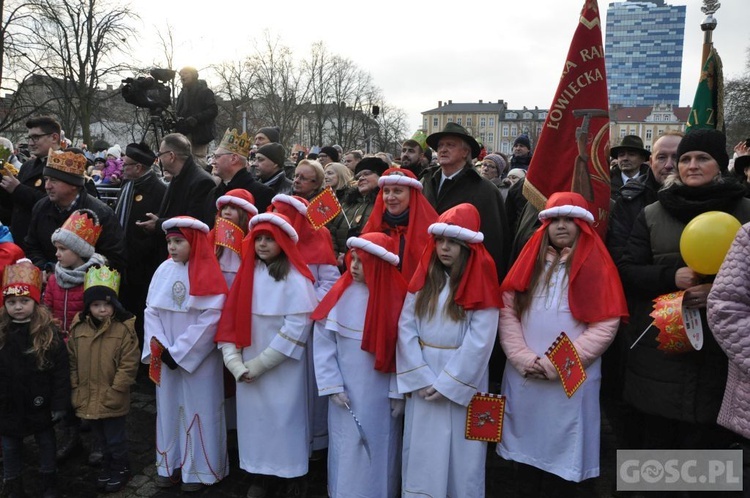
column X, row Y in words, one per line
column 387, row 292
column 235, row 325
column 316, row 246
column 204, row 272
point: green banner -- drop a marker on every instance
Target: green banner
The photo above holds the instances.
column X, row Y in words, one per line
column 708, row 105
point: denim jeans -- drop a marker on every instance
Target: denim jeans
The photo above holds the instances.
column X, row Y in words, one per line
column 13, row 449
column 113, row 437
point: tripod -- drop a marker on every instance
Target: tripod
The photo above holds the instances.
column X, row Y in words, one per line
column 157, row 125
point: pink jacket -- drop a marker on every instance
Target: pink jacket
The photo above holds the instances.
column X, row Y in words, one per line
column 64, row 303
column 729, row 319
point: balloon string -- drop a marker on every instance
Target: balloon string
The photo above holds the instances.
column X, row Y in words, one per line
column 642, row 334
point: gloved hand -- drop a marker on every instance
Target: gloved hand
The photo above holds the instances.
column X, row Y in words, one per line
column 397, row 407
column 430, row 394
column 57, row 415
column 265, row 361
column 167, row 359
column 340, row 399
column 233, row 359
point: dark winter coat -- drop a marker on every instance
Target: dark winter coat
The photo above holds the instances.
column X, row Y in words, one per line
column 356, row 210
column 279, row 183
column 23, row 198
column 689, row 386
column 197, row 102
column 468, row 186
column 28, row 395
column 244, row 180
column 615, row 178
column 46, row 218
column 187, row 195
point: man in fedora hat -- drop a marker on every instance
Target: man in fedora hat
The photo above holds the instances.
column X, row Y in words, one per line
column 631, row 163
column 456, row 181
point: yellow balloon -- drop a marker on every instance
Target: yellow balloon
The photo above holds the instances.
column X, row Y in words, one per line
column 705, row 241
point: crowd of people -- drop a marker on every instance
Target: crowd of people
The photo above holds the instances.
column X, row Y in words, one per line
column 371, row 333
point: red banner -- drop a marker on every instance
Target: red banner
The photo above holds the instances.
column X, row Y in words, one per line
column 564, row 357
column 323, row 208
column 573, row 149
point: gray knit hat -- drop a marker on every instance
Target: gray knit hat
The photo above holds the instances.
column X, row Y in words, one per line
column 79, row 233
column 272, row 133
column 275, row 152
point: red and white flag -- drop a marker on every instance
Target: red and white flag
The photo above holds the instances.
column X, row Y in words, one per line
column 573, row 149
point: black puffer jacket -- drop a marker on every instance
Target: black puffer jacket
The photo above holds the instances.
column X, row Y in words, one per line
column 689, row 386
column 28, row 395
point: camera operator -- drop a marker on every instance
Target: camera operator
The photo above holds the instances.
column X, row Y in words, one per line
column 196, row 113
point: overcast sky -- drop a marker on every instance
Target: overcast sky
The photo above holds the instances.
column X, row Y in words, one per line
column 419, row 53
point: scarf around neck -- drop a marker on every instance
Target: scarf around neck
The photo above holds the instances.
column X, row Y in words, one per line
column 685, row 203
column 67, row 278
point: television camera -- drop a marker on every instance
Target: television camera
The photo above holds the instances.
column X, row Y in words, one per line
column 152, row 93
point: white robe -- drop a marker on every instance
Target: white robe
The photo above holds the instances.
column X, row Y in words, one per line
column 342, row 366
column 453, row 357
column 272, row 412
column 190, row 429
column 543, row 427
column 325, row 277
column 229, row 262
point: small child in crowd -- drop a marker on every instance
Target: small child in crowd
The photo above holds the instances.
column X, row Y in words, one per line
column 265, row 349
column 563, row 280
column 104, row 353
column 355, row 361
column 235, row 208
column 183, row 307
column 34, row 378
column 446, row 333
column 75, row 242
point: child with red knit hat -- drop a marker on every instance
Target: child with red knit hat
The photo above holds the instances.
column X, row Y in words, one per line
column 184, row 304
column 355, row 361
column 446, row 333
column 263, row 336
column 564, row 280
column 234, row 210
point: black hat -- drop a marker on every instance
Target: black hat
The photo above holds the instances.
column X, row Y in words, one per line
column 330, row 152
column 453, row 129
column 273, row 133
column 374, row 164
column 629, row 142
column 274, row 152
column 708, row 140
column 140, row 153
column 522, row 140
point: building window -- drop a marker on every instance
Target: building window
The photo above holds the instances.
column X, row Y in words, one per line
column 542, row 115
column 527, row 115
column 435, row 122
column 481, row 137
column 649, row 134
column 450, row 120
column 505, row 147
column 506, row 131
column 492, row 122
column 514, row 130
column 623, row 132
column 482, row 122
column 468, row 121
column 661, row 132
column 490, row 137
column 511, row 115
column 458, row 120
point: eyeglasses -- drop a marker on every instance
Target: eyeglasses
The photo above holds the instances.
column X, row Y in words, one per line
column 165, row 152
column 322, row 155
column 129, row 164
column 364, row 172
column 303, row 179
column 216, row 156
column 35, row 138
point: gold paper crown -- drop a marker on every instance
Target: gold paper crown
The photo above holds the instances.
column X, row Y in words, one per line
column 102, row 277
column 68, row 162
column 236, row 143
column 22, row 279
column 85, row 224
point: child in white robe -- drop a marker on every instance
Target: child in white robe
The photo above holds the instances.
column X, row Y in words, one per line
column 184, row 305
column 355, row 360
column 446, row 333
column 234, row 210
column 263, row 336
column 563, row 280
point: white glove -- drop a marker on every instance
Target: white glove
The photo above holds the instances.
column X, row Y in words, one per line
column 265, row 361
column 430, row 394
column 397, row 407
column 340, row 399
column 233, row 359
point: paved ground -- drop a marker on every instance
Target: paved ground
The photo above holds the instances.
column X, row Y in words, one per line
column 76, row 478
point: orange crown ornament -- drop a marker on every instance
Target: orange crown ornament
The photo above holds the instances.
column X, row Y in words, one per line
column 67, row 162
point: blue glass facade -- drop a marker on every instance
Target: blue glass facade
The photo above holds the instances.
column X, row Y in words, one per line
column 643, row 52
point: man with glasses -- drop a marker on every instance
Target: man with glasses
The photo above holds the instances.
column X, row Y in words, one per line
column 141, row 193
column 19, row 194
column 230, row 165
column 187, row 191
column 328, row 155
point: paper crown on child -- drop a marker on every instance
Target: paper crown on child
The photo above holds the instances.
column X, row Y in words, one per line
column 373, row 244
column 184, row 222
column 236, row 143
column 238, row 197
column 567, row 204
column 79, row 233
column 298, row 203
column 399, row 176
column 102, row 276
column 460, row 222
column 279, row 220
column 66, row 166
column 22, row 279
